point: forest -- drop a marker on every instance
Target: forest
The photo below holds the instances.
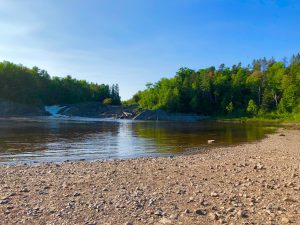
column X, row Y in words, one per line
column 265, row 87
column 36, row 87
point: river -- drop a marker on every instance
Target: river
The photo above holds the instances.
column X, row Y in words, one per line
column 58, row 140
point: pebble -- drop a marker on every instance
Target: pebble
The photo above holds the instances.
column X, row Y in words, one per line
column 2, row 202
column 187, row 211
column 213, row 216
column 214, row 194
column 165, row 221
column 201, row 212
column 243, row 214
column 128, row 223
column 285, row 220
column 158, row 213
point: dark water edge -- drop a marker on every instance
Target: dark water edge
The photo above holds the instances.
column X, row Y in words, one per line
column 40, row 139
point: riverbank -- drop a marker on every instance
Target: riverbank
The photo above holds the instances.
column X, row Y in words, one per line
column 255, row 183
column 13, row 109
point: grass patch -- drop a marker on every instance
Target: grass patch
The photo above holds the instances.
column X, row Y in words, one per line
column 268, row 117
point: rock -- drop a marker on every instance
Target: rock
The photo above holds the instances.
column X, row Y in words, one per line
column 285, row 220
column 165, row 221
column 289, row 199
column 243, row 214
column 174, row 216
column 201, row 212
column 213, row 216
column 187, row 211
column 294, row 175
column 230, row 209
column 211, row 141
column 24, row 190
column 158, row 213
column 64, row 185
column 2, row 202
column 259, row 166
column 222, row 221
column 76, row 194
column 13, row 109
column 128, row 223
column 191, row 199
column 214, row 194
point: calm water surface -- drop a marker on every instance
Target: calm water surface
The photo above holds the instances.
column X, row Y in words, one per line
column 52, row 140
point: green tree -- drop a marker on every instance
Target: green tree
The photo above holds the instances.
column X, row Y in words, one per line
column 252, row 108
column 230, row 107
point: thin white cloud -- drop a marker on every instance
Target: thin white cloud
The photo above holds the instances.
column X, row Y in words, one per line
column 14, row 30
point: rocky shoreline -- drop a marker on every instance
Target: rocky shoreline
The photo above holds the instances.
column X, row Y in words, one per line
column 95, row 110
column 255, row 183
column 12, row 109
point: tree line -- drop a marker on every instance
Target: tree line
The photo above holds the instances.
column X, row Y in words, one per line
column 266, row 86
column 35, row 86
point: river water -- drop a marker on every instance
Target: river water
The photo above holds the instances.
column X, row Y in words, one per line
column 57, row 140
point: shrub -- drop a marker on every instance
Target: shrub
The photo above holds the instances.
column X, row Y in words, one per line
column 107, row 101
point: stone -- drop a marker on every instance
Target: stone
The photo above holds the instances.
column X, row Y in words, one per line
column 213, row 216
column 173, row 216
column 243, row 214
column 187, row 211
column 214, row 194
column 2, row 202
column 211, row 141
column 289, row 199
column 25, row 190
column 158, row 213
column 259, row 166
column 201, row 212
column 128, row 223
column 285, row 220
column 165, row 221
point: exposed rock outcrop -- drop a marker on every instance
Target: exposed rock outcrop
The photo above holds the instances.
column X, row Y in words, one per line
column 12, row 109
column 98, row 110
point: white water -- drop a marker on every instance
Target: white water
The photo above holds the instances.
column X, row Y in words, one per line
column 54, row 109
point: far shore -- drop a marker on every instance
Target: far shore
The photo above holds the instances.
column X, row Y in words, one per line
column 255, row 183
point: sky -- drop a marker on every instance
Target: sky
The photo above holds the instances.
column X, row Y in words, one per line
column 132, row 42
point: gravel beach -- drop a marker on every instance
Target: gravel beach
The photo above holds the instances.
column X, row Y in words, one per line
column 255, row 183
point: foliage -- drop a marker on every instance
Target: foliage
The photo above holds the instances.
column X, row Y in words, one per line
column 107, row 101
column 252, row 108
column 268, row 87
column 230, row 107
column 35, row 86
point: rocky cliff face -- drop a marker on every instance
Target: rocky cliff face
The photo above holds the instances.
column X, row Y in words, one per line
column 12, row 109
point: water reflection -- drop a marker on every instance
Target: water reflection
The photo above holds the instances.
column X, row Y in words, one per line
column 52, row 140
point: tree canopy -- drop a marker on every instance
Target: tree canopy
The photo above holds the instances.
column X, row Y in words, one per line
column 265, row 86
column 35, row 86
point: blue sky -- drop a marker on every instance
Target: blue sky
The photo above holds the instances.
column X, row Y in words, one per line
column 132, row 42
